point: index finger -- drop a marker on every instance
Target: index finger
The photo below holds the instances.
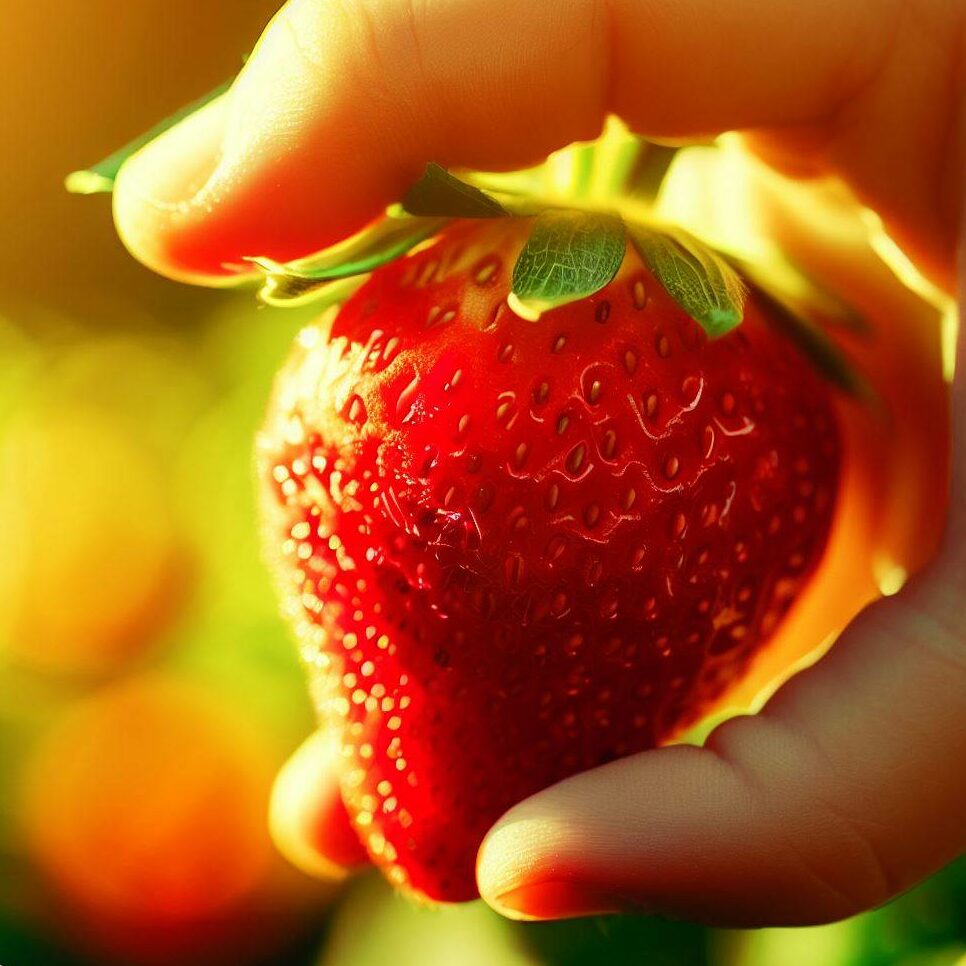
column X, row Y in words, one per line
column 341, row 105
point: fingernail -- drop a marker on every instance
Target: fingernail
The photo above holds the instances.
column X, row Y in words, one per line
column 155, row 192
column 174, row 168
column 556, row 900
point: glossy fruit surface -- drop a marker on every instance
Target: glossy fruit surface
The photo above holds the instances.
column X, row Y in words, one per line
column 514, row 550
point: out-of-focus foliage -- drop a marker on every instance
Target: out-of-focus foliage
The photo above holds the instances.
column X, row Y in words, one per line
column 374, row 926
column 147, row 693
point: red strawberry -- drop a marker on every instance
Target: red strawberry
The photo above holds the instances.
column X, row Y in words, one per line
column 513, row 550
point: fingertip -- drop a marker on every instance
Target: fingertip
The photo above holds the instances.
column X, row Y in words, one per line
column 497, row 873
column 528, row 870
column 160, row 196
column 307, row 818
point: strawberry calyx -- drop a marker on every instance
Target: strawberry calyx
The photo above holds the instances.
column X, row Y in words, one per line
column 577, row 202
column 586, row 202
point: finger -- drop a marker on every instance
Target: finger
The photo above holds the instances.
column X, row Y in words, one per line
column 844, row 791
column 308, row 821
column 341, row 105
column 151, row 195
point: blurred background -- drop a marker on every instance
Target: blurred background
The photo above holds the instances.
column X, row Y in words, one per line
column 148, row 693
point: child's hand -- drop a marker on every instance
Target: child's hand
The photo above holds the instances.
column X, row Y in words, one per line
column 850, row 786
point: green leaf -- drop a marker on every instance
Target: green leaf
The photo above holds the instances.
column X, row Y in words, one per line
column 332, row 275
column 99, row 178
column 289, row 291
column 441, row 194
column 695, row 276
column 382, row 242
column 568, row 256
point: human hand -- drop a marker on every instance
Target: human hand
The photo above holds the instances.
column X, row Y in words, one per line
column 848, row 787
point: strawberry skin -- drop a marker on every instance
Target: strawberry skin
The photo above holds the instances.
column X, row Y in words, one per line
column 515, row 550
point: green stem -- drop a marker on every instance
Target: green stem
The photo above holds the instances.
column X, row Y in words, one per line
column 648, row 171
column 630, row 167
column 583, row 170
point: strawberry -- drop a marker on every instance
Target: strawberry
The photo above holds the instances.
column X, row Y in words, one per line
column 512, row 547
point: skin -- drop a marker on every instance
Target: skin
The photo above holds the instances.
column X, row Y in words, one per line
column 848, row 788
